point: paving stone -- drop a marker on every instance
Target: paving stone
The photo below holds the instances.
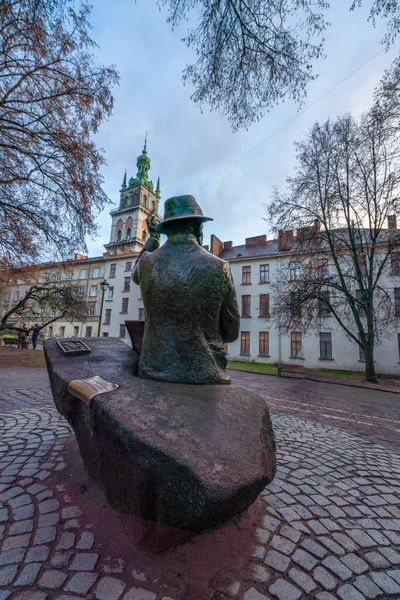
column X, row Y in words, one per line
column 314, row 548
column 23, row 512
column 277, row 561
column 44, row 535
column 3, row 515
column 52, row 579
column 285, row 590
column 31, row 595
column 355, row 563
column 392, row 556
column 304, row 559
column 48, row 519
column 12, row 556
column 22, row 500
column 270, row 523
column 48, row 506
column 348, row 592
column 386, row 583
column 345, row 541
column 325, row 578
column 259, row 552
column 67, row 541
column 262, row 536
column 394, row 574
column 282, row 544
column 109, row 588
column 142, row 594
column 59, row 560
column 302, row 580
column 361, row 538
column 21, row 527
column 67, row 597
column 4, row 594
column 7, row 574
column 37, row 554
column 84, row 562
column 72, row 524
column 260, row 573
column 376, row 560
column 325, row 596
column 16, row 541
column 81, row 582
column 29, row 574
column 332, row 545
column 70, row 512
column 290, row 533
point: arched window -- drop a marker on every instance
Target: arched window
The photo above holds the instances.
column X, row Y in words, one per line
column 145, row 201
column 128, row 233
column 153, row 206
column 119, row 235
column 118, row 230
column 144, row 235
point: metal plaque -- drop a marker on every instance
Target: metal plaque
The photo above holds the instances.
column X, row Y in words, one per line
column 73, row 347
column 87, row 389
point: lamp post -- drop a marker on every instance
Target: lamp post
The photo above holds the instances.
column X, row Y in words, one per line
column 104, row 285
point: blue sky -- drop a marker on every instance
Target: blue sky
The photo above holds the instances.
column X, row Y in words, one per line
column 195, row 152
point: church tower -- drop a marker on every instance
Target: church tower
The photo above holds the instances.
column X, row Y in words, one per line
column 137, row 200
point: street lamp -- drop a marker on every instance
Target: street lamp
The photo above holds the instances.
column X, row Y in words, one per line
column 104, row 285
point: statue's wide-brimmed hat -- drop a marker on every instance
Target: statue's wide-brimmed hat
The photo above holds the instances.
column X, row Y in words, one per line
column 181, row 207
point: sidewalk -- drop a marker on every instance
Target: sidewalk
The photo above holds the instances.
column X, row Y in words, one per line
column 327, row 528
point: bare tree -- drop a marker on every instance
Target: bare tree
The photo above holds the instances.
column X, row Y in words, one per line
column 346, row 187
column 43, row 302
column 253, row 54
column 52, row 98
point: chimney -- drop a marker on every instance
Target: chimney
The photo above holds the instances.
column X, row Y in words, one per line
column 392, row 222
column 206, row 247
column 216, row 245
column 78, row 256
column 284, row 239
column 228, row 245
column 257, row 240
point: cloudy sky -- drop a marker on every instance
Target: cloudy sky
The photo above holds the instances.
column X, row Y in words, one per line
column 230, row 174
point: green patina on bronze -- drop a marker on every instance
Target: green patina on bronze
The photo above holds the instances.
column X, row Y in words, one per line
column 189, row 298
column 142, row 175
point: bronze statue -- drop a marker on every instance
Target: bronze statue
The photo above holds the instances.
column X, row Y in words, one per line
column 189, row 299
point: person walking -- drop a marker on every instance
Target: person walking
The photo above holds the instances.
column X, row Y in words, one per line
column 35, row 335
column 22, row 335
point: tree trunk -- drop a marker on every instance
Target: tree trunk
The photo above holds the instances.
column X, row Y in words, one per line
column 370, row 373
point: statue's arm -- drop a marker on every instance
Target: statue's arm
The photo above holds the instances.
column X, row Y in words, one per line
column 152, row 244
column 230, row 316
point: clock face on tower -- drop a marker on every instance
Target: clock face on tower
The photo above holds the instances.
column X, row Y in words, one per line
column 138, row 199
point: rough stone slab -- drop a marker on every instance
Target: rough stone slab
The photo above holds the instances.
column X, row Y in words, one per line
column 277, row 561
column 191, row 439
column 52, row 579
column 142, row 594
column 28, row 574
column 81, row 582
column 109, row 588
column 251, row 594
column 285, row 590
column 348, row 592
column 7, row 574
column 84, row 562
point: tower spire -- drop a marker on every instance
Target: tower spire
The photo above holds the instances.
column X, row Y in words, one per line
column 123, row 187
column 158, row 191
column 145, row 143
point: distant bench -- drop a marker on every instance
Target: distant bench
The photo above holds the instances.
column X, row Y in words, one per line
column 294, row 369
column 10, row 341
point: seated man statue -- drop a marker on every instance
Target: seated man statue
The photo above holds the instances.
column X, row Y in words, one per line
column 189, row 299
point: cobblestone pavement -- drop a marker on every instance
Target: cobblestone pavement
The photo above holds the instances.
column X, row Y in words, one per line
column 327, row 528
column 375, row 415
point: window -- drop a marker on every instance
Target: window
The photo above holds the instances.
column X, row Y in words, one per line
column 325, row 345
column 81, row 291
column 324, row 308
column 76, row 331
column 128, row 235
column 26, row 293
column 110, row 293
column 107, row 316
column 323, row 270
column 113, row 270
column 124, row 307
column 294, row 271
column 264, row 343
column 88, row 331
column 16, row 295
column 264, row 305
column 264, row 273
column 360, row 305
column 127, row 284
column 141, row 315
column 91, row 309
column 93, row 290
column 96, row 272
column 246, row 306
column 295, row 305
column 295, row 343
column 83, row 273
column 128, row 266
column 122, row 330
column 119, row 235
column 246, row 275
column 50, row 330
column 46, row 277
column 395, row 264
column 69, row 275
column 245, row 343
column 144, row 235
column 105, row 334
column 62, row 331
column 53, row 312
column 58, row 276
column 361, row 354
column 6, row 296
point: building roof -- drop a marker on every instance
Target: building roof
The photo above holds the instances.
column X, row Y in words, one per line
column 243, row 252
